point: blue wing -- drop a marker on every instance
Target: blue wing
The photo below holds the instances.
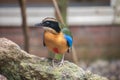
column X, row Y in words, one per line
column 69, row 40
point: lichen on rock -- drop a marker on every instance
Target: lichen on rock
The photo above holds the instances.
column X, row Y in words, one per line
column 16, row 64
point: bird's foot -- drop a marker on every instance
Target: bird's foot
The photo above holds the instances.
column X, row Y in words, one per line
column 57, row 63
column 61, row 63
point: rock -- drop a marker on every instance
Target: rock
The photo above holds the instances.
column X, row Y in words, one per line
column 97, row 67
column 16, row 64
column 2, row 77
column 91, row 76
column 109, row 69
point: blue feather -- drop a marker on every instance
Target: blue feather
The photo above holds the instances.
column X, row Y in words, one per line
column 69, row 40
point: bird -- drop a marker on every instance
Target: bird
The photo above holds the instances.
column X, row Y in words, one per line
column 56, row 38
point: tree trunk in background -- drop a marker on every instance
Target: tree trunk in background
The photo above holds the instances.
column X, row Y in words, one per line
column 61, row 14
column 116, row 7
column 24, row 24
column 63, row 9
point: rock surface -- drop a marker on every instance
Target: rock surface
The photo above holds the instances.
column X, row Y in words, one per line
column 2, row 77
column 16, row 64
column 109, row 69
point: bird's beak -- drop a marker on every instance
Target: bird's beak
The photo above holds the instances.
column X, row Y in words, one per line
column 39, row 24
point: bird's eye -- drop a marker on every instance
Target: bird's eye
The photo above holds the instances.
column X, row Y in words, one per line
column 47, row 22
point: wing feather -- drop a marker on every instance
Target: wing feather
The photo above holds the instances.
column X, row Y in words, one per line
column 69, row 40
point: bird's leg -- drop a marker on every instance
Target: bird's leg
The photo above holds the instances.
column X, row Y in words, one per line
column 62, row 61
column 53, row 62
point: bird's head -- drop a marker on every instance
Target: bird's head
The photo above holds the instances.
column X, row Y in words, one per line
column 50, row 24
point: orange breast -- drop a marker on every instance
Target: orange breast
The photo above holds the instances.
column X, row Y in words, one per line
column 55, row 42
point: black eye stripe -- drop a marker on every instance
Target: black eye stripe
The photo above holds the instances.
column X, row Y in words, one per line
column 52, row 24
